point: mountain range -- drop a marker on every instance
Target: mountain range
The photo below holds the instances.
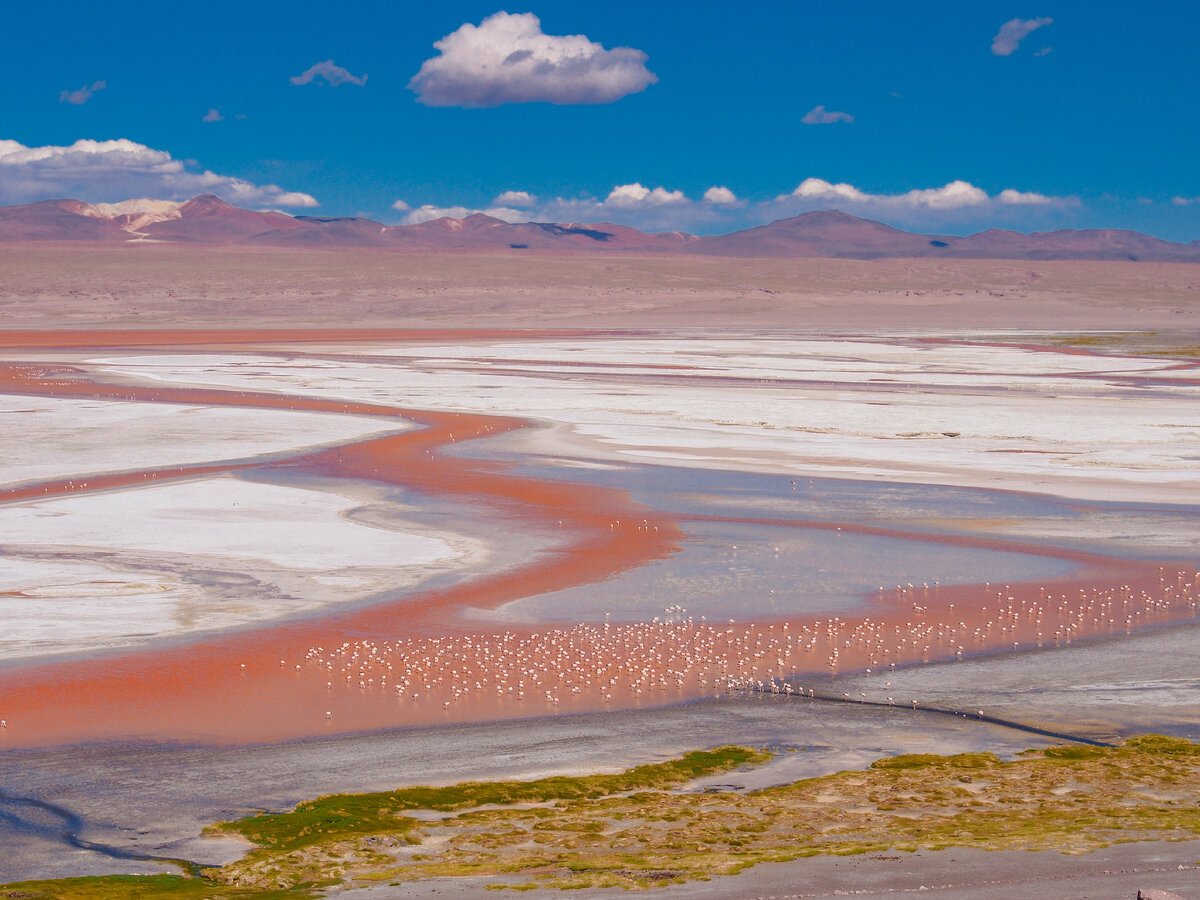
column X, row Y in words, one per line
column 826, row 234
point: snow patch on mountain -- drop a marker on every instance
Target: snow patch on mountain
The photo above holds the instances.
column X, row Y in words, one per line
column 133, row 215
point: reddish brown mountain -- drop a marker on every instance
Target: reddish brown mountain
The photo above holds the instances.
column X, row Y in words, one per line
column 473, row 232
column 209, row 220
column 326, row 231
column 479, row 231
column 617, row 237
column 838, row 235
column 56, row 220
column 1087, row 243
column 828, row 234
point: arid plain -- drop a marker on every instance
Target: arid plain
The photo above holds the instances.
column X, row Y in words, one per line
column 280, row 523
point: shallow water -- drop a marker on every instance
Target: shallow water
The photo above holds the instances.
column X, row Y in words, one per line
column 1124, row 529
column 1108, row 688
column 777, row 566
column 744, row 572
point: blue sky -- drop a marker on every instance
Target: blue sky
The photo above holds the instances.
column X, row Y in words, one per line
column 1091, row 119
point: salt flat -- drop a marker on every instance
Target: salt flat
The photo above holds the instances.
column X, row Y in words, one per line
column 98, row 571
column 63, row 437
column 1025, row 419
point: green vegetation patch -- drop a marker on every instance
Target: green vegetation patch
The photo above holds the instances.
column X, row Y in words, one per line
column 343, row 816
column 1133, row 343
column 922, row 760
column 634, row 830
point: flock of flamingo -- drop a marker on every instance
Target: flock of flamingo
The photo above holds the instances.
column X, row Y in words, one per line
column 678, row 656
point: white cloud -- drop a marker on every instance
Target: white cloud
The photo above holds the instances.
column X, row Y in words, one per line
column 290, row 199
column 508, row 59
column 507, row 214
column 1184, row 201
column 401, row 206
column 1027, row 198
column 515, row 198
column 83, row 95
column 955, row 195
column 429, row 212
column 625, row 196
column 957, row 203
column 721, row 196
column 105, row 171
column 819, row 188
column 1012, row 32
column 331, row 73
column 213, row 115
column 819, row 115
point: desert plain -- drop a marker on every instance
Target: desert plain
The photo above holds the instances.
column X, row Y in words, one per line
column 279, row 523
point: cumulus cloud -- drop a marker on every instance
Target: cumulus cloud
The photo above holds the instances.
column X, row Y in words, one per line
column 83, row 95
column 625, row 196
column 819, row 188
column 515, row 198
column 819, row 115
column 213, row 115
column 508, row 59
column 1027, row 198
column 721, row 196
column 401, row 206
column 110, row 171
column 1012, row 32
column 955, row 202
column 429, row 212
column 955, row 195
column 331, row 73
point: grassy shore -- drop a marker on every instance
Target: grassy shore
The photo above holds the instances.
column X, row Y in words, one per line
column 638, row 828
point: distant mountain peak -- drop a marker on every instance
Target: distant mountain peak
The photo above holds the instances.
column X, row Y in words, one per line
column 208, row 205
column 826, row 233
column 829, row 215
